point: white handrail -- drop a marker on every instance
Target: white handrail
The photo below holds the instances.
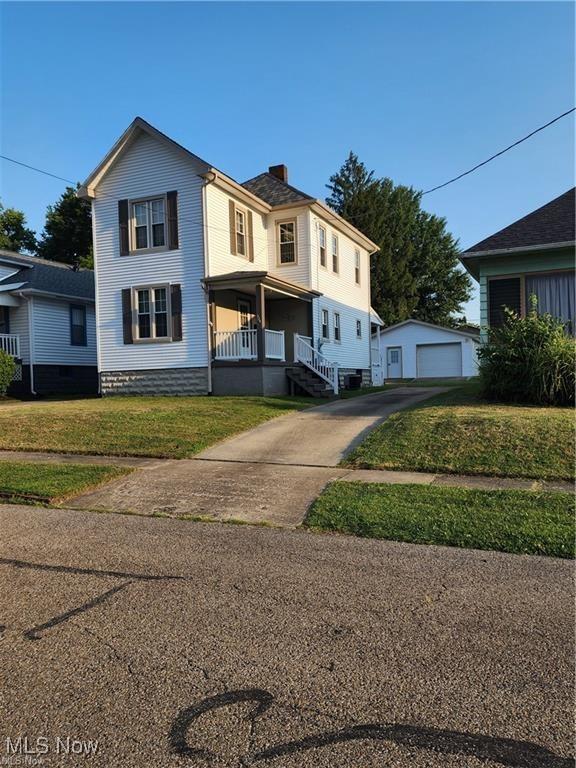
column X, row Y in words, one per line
column 10, row 343
column 236, row 345
column 274, row 344
column 308, row 356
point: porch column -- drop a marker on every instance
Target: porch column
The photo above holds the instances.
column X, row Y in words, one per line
column 260, row 321
column 212, row 321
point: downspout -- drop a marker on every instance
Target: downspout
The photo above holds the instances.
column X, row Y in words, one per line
column 29, row 303
column 206, row 274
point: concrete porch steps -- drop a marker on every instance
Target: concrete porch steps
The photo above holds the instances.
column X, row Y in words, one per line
column 305, row 379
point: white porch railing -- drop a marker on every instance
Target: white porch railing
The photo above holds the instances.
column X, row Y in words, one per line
column 236, row 345
column 10, row 343
column 274, row 344
column 306, row 354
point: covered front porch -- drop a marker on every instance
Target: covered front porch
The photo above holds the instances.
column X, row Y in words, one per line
column 260, row 327
column 255, row 317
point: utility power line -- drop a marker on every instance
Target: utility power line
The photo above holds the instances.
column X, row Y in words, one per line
column 38, row 170
column 502, row 151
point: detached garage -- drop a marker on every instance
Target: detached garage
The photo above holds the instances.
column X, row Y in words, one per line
column 417, row 350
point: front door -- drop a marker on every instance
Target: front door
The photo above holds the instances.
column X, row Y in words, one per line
column 245, row 323
column 394, row 362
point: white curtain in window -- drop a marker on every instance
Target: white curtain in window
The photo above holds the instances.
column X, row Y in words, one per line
column 555, row 294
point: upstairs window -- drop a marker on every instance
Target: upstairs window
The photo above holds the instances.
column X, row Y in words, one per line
column 151, row 312
column 322, row 245
column 148, row 224
column 336, row 326
column 78, row 325
column 325, row 329
column 335, row 257
column 357, row 266
column 286, row 234
column 358, row 329
column 240, row 225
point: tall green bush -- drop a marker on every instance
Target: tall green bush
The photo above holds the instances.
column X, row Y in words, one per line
column 7, row 369
column 529, row 360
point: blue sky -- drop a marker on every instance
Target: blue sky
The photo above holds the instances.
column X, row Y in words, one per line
column 420, row 91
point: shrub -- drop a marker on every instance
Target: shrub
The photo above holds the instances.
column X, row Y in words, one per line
column 7, row 369
column 529, row 359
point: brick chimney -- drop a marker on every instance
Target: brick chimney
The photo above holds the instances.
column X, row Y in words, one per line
column 280, row 171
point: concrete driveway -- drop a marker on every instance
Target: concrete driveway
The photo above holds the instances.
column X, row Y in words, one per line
column 175, row 644
column 269, row 474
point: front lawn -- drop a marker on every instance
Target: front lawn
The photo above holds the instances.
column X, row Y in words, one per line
column 522, row 522
column 25, row 481
column 171, row 427
column 460, row 434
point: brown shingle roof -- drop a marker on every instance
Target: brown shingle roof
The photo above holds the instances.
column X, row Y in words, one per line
column 552, row 223
column 274, row 191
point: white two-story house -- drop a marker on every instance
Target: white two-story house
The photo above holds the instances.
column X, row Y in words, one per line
column 205, row 285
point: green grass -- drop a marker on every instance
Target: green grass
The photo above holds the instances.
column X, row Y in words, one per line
column 26, row 481
column 522, row 522
column 171, row 427
column 458, row 433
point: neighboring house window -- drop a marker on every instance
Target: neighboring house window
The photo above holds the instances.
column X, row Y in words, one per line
column 357, row 266
column 554, row 295
column 335, row 267
column 78, row 325
column 325, row 329
column 240, row 225
column 152, row 311
column 358, row 329
column 148, row 224
column 4, row 320
column 336, row 326
column 286, row 234
column 322, row 242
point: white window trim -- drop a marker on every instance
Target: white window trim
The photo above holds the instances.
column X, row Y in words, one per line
column 244, row 212
column 325, row 313
column 132, row 224
column 335, row 240
column 152, row 339
column 357, row 267
column 337, row 325
column 322, row 228
column 277, row 224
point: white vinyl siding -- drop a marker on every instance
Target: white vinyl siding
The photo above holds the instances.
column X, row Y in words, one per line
column 342, row 295
column 6, row 271
column 19, row 325
column 52, row 342
column 147, row 170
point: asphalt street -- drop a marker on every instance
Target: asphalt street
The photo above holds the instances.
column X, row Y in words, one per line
column 177, row 643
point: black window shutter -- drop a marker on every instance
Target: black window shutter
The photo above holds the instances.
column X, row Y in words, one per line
column 250, row 228
column 123, row 226
column 172, row 205
column 503, row 293
column 176, row 307
column 127, row 315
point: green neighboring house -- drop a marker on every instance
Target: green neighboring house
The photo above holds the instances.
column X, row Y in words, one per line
column 534, row 255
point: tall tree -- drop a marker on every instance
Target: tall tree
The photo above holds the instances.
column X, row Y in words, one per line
column 415, row 273
column 14, row 234
column 67, row 234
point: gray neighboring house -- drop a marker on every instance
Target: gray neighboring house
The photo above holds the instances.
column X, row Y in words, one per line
column 47, row 323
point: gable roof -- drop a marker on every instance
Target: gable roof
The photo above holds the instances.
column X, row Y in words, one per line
column 552, row 224
column 48, row 277
column 274, row 191
column 475, row 336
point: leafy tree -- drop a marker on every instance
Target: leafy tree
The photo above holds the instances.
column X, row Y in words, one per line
column 14, row 234
column 415, row 273
column 67, row 234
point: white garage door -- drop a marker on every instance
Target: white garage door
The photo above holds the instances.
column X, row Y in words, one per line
column 438, row 360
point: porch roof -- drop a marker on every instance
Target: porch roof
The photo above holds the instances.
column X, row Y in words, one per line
column 247, row 281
